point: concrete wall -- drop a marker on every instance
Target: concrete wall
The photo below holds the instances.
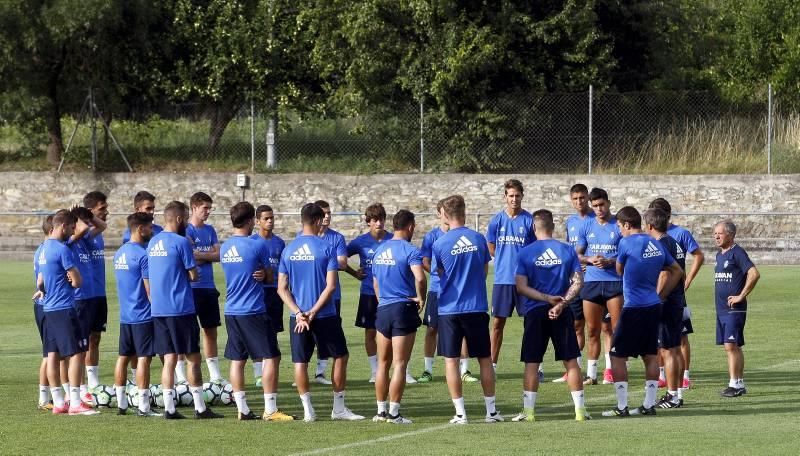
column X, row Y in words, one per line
column 707, row 197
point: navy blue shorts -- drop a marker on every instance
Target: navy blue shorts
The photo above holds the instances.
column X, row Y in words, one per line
column 97, row 316
column 601, row 292
column 730, row 328
column 206, row 305
column 251, row 336
column 337, row 302
column 504, row 300
column 540, row 329
column 398, row 319
column 636, row 333
column 136, row 340
column 274, row 306
column 607, row 318
column 577, row 309
column 669, row 328
column 431, row 318
column 686, row 327
column 179, row 335
column 367, row 311
column 325, row 332
column 83, row 310
column 38, row 315
column 63, row 333
column 453, row 329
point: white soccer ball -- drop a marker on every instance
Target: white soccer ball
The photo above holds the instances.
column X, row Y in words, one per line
column 133, row 395
column 105, row 396
column 226, row 397
column 212, row 393
column 183, row 395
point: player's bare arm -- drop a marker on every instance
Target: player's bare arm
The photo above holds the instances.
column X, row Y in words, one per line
column 749, row 283
column 674, row 276
column 536, row 295
column 147, row 288
column 325, row 296
column 492, row 248
column 74, row 277
column 576, row 283
column 426, row 264
column 194, row 276
column 420, row 284
column 697, row 262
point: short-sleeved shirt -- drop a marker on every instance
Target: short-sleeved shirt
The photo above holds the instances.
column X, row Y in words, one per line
column 130, row 270
column 574, row 224
column 600, row 239
column 509, row 235
column 684, row 238
column 170, row 256
column 36, row 254
column 549, row 266
column 55, row 259
column 391, row 267
column 336, row 240
column 204, row 239
column 427, row 252
column 81, row 250
column 461, row 255
column 677, row 297
column 97, row 252
column 730, row 275
column 307, row 260
column 241, row 256
column 275, row 246
column 644, row 259
column 126, row 235
column 364, row 246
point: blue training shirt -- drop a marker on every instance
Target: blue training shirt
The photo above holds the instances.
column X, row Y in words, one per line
column 97, row 252
column 55, row 259
column 81, row 250
column 684, row 238
column 730, row 275
column 169, row 258
column 427, row 252
column 203, row 239
column 364, row 246
column 306, row 261
column 38, row 251
column 275, row 246
column 549, row 265
column 574, row 224
column 677, row 297
column 126, row 235
column 339, row 245
column 644, row 259
column 241, row 256
column 391, row 267
column 130, row 270
column 509, row 235
column 461, row 255
column 600, row 239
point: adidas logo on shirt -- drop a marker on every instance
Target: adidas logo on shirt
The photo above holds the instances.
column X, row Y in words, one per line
column 158, row 250
column 121, row 263
column 679, row 254
column 651, row 251
column 302, row 254
column 463, row 245
column 385, row 258
column 591, row 235
column 548, row 258
column 231, row 256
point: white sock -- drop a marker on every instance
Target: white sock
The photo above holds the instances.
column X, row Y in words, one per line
column 199, row 401
column 650, row 392
column 732, row 383
column 591, row 368
column 740, row 383
column 463, row 364
column 44, row 394
column 381, row 407
column 622, row 394
column 74, row 396
column 680, row 393
column 661, row 374
column 494, row 366
column 580, row 360
column 93, row 375
column 459, row 404
column 144, row 400
column 577, row 398
column 65, row 386
column 429, row 365
column 394, row 409
column 58, row 396
column 122, row 398
column 373, row 363
column 84, row 390
column 528, row 399
column 258, row 369
column 686, row 374
column 308, row 409
column 322, row 366
column 180, row 371
column 338, row 401
column 241, row 402
column 169, row 400
column 490, row 402
column 270, row 403
column 213, row 369
column 541, row 368
column 608, row 360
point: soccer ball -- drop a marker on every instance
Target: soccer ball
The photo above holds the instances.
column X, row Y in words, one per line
column 212, row 393
column 104, row 396
column 133, row 395
column 183, row 395
column 226, row 397
column 157, row 396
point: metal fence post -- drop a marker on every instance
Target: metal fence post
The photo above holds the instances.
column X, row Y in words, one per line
column 421, row 136
column 271, row 156
column 769, row 129
column 252, row 136
column 591, row 90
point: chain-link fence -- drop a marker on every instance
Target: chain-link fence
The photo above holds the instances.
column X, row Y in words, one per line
column 588, row 132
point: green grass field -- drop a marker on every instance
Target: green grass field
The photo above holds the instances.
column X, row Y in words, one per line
column 765, row 421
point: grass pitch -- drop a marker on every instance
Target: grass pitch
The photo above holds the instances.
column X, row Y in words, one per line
column 765, row 421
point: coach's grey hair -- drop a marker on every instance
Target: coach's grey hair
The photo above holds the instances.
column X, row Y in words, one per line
column 728, row 226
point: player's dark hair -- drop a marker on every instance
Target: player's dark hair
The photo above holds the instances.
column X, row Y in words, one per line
column 92, row 199
column 241, row 213
column 141, row 197
column 439, row 205
column 402, row 219
column 657, row 218
column 47, row 225
column 138, row 219
column 513, row 183
column 175, row 209
column 322, row 203
column 578, row 188
column 728, row 226
column 631, row 216
column 83, row 213
column 261, row 209
column 374, row 211
column 661, row 203
column 64, row 217
column 200, row 198
column 310, row 214
column 598, row 193
column 455, row 207
column 544, row 219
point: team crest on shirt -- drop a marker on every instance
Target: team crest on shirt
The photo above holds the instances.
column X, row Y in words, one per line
column 302, row 254
column 502, row 228
column 725, row 265
column 651, row 251
column 611, row 235
column 158, row 249
column 385, row 258
column 42, row 258
column 122, row 263
column 231, row 256
column 463, row 245
column 521, row 230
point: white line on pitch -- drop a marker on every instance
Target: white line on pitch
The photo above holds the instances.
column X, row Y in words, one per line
column 374, row 441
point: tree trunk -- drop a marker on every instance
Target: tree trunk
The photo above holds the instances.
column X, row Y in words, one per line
column 220, row 115
column 55, row 145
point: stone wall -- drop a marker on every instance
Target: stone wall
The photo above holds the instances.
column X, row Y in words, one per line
column 698, row 201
